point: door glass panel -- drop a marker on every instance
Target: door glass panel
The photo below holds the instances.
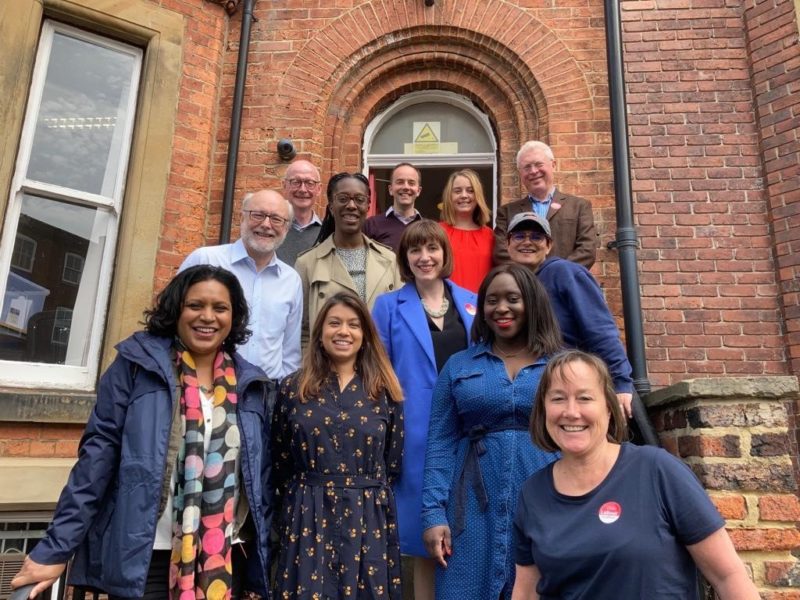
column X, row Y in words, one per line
column 431, row 128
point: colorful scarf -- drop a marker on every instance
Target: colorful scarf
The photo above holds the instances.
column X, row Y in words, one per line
column 203, row 510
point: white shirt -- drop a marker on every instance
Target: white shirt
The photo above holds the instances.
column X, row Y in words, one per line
column 275, row 298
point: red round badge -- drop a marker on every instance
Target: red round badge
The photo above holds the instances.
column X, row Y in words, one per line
column 609, row 512
column 470, row 308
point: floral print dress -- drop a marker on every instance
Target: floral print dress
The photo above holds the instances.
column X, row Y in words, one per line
column 334, row 458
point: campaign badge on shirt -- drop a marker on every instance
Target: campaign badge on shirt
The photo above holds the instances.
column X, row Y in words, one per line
column 609, row 512
column 470, row 308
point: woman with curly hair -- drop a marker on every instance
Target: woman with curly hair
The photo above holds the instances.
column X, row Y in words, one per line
column 168, row 497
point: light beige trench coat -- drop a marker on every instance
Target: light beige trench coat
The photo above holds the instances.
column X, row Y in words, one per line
column 323, row 275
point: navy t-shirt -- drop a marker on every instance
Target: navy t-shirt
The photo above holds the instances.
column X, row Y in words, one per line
column 624, row 540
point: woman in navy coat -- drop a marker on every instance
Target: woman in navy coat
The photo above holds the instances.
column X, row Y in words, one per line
column 170, row 493
column 421, row 325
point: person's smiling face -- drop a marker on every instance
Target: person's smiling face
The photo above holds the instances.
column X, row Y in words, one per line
column 342, row 334
column 537, row 172
column 463, row 196
column 206, row 317
column 426, row 260
column 349, row 205
column 529, row 246
column 576, row 409
column 504, row 309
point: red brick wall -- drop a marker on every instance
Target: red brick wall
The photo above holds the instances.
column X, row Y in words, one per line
column 708, row 277
column 187, row 208
column 714, row 200
column 319, row 74
column 39, row 440
column 774, row 53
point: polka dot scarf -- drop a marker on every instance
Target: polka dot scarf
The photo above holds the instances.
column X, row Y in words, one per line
column 204, row 492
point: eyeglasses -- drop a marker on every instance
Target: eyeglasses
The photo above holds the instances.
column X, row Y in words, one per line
column 521, row 236
column 257, row 217
column 296, row 184
column 345, row 199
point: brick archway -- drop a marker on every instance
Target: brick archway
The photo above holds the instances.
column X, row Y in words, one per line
column 515, row 70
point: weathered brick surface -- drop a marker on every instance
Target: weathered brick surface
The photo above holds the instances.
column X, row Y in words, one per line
column 737, row 415
column 779, row 508
column 782, row 573
column 702, row 445
column 749, row 476
column 769, row 444
column 765, row 539
column 733, row 507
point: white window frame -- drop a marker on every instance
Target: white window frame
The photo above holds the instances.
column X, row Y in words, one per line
column 29, row 240
column 68, row 269
column 69, row 377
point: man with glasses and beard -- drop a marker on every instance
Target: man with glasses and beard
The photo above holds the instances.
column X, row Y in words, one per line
column 272, row 288
column 301, row 187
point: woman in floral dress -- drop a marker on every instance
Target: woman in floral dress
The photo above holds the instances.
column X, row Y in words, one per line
column 337, row 442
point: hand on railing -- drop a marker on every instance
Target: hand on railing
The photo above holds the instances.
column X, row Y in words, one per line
column 42, row 576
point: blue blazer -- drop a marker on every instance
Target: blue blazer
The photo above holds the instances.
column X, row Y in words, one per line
column 403, row 328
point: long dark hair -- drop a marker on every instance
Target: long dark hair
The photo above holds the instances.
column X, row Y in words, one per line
column 543, row 335
column 162, row 318
column 372, row 362
column 328, row 224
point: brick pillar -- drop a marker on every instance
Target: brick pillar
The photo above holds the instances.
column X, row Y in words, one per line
column 735, row 435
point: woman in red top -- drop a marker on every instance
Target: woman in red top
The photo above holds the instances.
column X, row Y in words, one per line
column 464, row 219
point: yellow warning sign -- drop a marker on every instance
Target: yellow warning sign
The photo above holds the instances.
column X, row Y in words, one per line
column 426, row 134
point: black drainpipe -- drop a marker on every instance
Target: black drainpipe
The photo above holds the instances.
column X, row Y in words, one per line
column 236, row 123
column 626, row 241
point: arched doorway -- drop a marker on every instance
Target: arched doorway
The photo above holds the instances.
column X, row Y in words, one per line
column 438, row 132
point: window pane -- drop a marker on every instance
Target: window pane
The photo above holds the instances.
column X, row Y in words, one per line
column 36, row 321
column 80, row 126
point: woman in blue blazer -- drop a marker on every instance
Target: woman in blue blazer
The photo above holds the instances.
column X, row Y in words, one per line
column 421, row 325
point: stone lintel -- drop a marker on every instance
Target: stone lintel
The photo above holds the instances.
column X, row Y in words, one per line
column 726, row 388
column 45, row 406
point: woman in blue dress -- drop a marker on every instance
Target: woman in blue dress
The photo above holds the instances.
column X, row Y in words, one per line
column 478, row 453
column 421, row 325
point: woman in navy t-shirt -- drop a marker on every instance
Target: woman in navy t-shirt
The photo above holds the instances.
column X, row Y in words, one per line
column 611, row 520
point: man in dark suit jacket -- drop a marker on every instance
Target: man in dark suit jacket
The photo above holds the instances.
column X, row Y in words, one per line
column 570, row 217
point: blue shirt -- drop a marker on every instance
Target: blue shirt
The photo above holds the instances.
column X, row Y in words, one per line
column 275, row 298
column 624, row 540
column 540, row 207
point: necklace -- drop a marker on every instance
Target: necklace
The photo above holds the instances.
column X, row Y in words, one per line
column 505, row 354
column 436, row 314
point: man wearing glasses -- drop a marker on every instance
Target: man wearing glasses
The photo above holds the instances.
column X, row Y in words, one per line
column 570, row 217
column 301, row 187
column 272, row 288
